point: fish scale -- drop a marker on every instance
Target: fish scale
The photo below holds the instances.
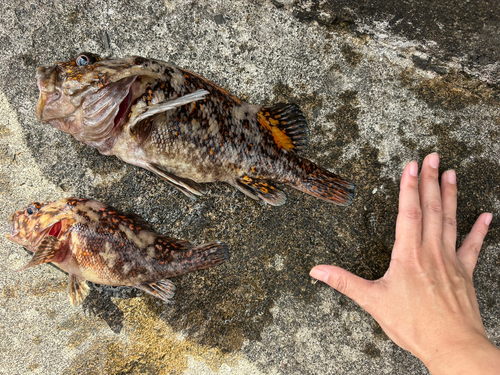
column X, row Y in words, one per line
column 184, row 128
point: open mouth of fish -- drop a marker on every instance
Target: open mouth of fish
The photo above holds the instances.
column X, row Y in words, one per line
column 31, row 240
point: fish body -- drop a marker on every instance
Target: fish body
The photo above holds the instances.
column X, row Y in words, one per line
column 93, row 241
column 183, row 127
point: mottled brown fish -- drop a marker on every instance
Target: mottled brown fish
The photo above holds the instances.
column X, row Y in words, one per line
column 183, row 127
column 92, row 241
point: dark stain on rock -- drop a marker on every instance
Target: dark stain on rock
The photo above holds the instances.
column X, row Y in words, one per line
column 453, row 91
column 29, row 61
column 345, row 119
column 477, row 190
column 325, row 14
column 34, row 366
column 46, row 287
column 9, row 292
column 378, row 332
column 309, row 103
column 460, row 28
column 100, row 306
column 351, row 55
column 371, row 350
column 73, row 17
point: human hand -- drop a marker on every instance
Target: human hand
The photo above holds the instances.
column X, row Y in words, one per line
column 426, row 302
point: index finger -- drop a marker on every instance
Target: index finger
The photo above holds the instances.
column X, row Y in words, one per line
column 409, row 222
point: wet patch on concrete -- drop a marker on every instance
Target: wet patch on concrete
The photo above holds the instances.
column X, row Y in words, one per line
column 460, row 28
column 453, row 91
column 476, row 193
column 81, row 328
column 46, row 287
column 352, row 57
column 325, row 14
column 344, row 119
column 371, row 350
column 309, row 103
column 151, row 347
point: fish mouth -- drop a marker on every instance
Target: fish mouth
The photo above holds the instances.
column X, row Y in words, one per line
column 29, row 239
column 13, row 228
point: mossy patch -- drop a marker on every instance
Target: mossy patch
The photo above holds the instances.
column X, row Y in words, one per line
column 345, row 119
column 453, row 91
column 151, row 347
column 46, row 287
column 352, row 57
column 371, row 350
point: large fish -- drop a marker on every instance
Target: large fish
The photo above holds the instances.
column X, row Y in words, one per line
column 183, row 127
column 92, row 241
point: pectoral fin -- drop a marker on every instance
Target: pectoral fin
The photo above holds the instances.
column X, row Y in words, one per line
column 164, row 289
column 47, row 252
column 168, row 105
column 77, row 289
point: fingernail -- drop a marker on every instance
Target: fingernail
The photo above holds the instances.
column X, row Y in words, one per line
column 434, row 160
column 414, row 168
column 488, row 218
column 452, row 177
column 319, row 274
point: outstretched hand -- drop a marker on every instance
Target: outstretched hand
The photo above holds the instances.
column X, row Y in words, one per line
column 426, row 302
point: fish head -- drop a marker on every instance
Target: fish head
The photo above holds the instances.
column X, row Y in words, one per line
column 90, row 97
column 29, row 226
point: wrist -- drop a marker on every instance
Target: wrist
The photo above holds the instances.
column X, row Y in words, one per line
column 476, row 355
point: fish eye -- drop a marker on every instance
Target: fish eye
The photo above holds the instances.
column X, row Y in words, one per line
column 86, row 59
column 31, row 209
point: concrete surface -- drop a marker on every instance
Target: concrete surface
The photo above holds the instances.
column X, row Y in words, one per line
column 380, row 85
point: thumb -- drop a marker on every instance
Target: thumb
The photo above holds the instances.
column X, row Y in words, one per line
column 354, row 287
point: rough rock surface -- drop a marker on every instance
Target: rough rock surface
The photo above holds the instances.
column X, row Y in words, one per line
column 380, row 85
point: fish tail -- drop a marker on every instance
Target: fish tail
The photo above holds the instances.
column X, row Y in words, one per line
column 204, row 256
column 324, row 184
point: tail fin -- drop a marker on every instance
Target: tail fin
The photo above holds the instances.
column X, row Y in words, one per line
column 204, row 256
column 325, row 185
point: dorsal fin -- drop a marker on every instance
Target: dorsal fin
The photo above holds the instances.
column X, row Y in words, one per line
column 287, row 125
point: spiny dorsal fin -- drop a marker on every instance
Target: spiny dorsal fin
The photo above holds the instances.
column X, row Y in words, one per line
column 77, row 290
column 46, row 252
column 287, row 125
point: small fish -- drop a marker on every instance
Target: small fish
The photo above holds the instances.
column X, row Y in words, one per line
column 183, row 127
column 93, row 241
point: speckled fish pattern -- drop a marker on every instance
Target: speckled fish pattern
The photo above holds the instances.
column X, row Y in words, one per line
column 93, row 241
column 183, row 127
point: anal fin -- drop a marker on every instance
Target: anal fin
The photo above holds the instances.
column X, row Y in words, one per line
column 287, row 125
column 77, row 290
column 257, row 188
column 47, row 252
column 163, row 289
column 189, row 187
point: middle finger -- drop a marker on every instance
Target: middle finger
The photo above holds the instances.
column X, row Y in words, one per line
column 430, row 198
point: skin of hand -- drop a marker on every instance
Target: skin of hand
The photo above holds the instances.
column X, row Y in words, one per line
column 426, row 302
